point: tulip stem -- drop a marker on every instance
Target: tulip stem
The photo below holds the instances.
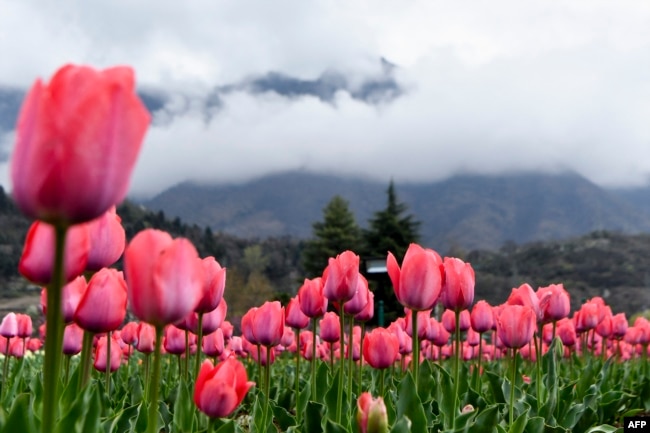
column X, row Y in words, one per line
column 416, row 346
column 538, row 364
column 199, row 346
column 54, row 340
column 360, row 370
column 339, row 401
column 154, row 384
column 86, row 348
column 480, row 357
column 511, row 413
column 187, row 355
column 267, row 386
column 456, row 368
column 350, row 356
column 297, row 376
column 313, row 359
column 108, row 364
column 5, row 371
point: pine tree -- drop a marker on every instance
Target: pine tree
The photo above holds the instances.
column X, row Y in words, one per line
column 337, row 232
column 391, row 230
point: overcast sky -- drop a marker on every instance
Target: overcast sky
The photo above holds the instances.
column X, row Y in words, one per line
column 484, row 87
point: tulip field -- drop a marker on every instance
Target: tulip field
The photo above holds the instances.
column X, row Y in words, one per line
column 451, row 363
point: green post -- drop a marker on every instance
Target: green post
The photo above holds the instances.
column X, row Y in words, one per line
column 380, row 313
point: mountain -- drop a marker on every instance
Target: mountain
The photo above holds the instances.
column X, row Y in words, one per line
column 468, row 211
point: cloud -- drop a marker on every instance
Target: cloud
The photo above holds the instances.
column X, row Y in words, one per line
column 245, row 88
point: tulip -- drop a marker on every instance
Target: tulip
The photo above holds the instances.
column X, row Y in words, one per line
column 34, row 344
column 341, row 277
column 380, row 348
column 482, row 317
column 102, row 358
column 213, row 343
column 359, row 300
column 219, row 390
column 457, row 291
column 554, row 302
column 25, row 327
column 107, row 240
column 330, row 329
column 9, row 326
column 619, row 325
column 72, row 293
column 164, row 276
column 102, row 307
column 174, row 341
column 368, row 311
column 146, row 338
column 77, row 141
column 524, row 295
column 371, row 414
column 268, row 324
column 72, row 339
column 214, row 284
column 312, row 298
column 516, row 325
column 37, row 260
column 129, row 334
column 294, row 317
column 418, row 282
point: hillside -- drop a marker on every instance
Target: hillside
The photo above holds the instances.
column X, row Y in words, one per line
column 471, row 212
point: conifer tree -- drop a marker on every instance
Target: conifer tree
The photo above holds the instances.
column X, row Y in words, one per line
column 337, row 232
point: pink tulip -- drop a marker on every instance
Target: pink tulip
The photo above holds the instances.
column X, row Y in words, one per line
column 102, row 307
column 360, row 298
column 214, row 284
column 72, row 293
column 9, row 326
column 174, row 340
column 17, row 347
column 341, row 277
column 25, row 328
column 330, row 328
column 210, row 322
column 107, row 240
column 482, row 317
column 312, row 298
column 423, row 323
column 37, row 259
column 554, row 302
column 457, row 291
column 418, row 282
column 219, row 390
column 228, row 329
column 268, row 323
column 146, row 338
column 524, row 295
column 34, row 344
column 294, row 317
column 368, row 311
column 567, row 332
column 619, row 325
column 516, row 325
column 77, row 141
column 213, row 344
column 371, row 414
column 164, row 276
column 72, row 339
column 380, row 348
column 101, row 355
column 129, row 334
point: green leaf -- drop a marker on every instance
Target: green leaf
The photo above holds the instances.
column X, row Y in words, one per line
column 331, row 398
column 282, row 417
column 93, row 410
column 313, row 417
column 520, row 424
column 486, row 420
column 535, row 425
column 322, row 382
column 445, row 397
column 332, row 427
column 496, row 386
column 605, row 428
column 227, row 427
column 426, row 382
column 409, row 404
column 20, row 418
column 183, row 416
column 403, row 425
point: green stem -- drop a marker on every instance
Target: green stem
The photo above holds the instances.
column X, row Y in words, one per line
column 108, row 364
column 267, row 386
column 54, row 340
column 313, row 360
column 187, row 355
column 259, row 365
column 480, row 357
column 147, row 357
column 86, row 348
column 5, row 371
column 339, row 401
column 350, row 357
column 512, row 387
column 296, row 378
column 67, row 369
column 457, row 352
column 154, row 384
column 416, row 346
column 199, row 346
column 360, row 370
column 381, row 382
column 538, row 364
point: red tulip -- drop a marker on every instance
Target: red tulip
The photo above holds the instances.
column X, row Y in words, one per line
column 164, row 276
column 129, row 334
column 567, row 332
column 380, row 348
column 371, row 416
column 107, row 240
column 554, row 302
column 101, row 354
column 247, row 326
column 341, row 277
column 516, row 325
column 102, row 307
column 619, row 325
column 174, row 340
column 294, row 317
column 37, row 259
column 34, row 344
column 457, row 291
column 16, row 347
column 312, row 298
column 330, row 328
column 268, row 324
column 482, row 317
column 214, row 284
column 418, row 282
column 25, row 328
column 449, row 320
column 77, row 141
column 213, row 344
column 219, row 390
column 146, row 338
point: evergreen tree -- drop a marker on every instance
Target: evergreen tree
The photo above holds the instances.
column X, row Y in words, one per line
column 337, row 232
column 391, row 230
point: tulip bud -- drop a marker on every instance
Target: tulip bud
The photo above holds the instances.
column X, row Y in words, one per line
column 371, row 415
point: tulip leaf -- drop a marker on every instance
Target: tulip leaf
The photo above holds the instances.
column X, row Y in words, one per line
column 496, row 383
column 426, row 382
column 227, row 427
column 409, row 404
column 519, row 424
column 332, row 427
column 313, row 417
column 20, row 419
column 183, row 416
column 92, row 410
column 282, row 416
column 322, row 382
column 486, row 420
column 605, row 428
column 403, row 425
column 535, row 425
column 445, row 397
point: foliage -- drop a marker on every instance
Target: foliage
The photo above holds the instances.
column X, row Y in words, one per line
column 336, row 233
